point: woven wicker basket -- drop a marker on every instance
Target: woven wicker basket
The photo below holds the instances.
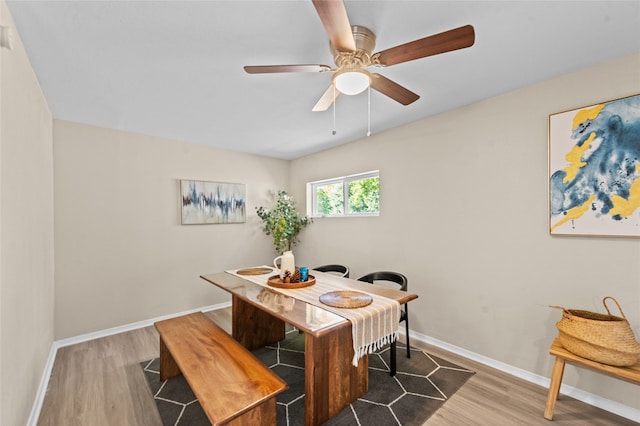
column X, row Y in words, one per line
column 604, row 338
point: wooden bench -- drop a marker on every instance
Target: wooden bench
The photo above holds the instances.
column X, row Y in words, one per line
column 629, row 374
column 231, row 384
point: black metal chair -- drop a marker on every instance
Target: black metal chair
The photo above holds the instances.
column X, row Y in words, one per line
column 403, row 283
column 341, row 269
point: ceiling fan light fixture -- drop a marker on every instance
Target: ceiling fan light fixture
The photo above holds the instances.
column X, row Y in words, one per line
column 352, row 82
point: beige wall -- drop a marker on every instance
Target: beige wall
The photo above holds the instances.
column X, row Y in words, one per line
column 122, row 255
column 26, row 229
column 464, row 215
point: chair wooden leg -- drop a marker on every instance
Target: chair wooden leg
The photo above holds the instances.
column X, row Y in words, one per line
column 554, row 387
column 392, row 358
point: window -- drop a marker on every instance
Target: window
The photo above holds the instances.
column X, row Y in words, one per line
column 355, row 195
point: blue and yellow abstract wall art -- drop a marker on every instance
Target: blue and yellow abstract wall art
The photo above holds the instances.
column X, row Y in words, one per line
column 594, row 169
column 212, row 202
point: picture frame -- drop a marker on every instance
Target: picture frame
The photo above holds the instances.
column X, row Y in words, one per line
column 204, row 202
column 594, row 169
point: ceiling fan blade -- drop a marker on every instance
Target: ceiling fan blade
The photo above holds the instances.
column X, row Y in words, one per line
column 392, row 89
column 327, row 98
column 455, row 39
column 333, row 15
column 269, row 69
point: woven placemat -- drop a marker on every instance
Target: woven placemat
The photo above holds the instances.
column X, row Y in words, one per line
column 346, row 299
column 254, row 271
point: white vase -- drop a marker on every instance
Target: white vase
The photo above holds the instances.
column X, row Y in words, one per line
column 287, row 263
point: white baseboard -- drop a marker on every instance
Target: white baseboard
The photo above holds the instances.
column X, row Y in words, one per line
column 46, row 374
column 42, row 388
column 586, row 397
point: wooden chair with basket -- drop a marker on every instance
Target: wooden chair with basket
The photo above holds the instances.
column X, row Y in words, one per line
column 600, row 342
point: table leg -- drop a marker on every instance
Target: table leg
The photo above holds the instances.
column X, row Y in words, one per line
column 331, row 382
column 554, row 387
column 252, row 327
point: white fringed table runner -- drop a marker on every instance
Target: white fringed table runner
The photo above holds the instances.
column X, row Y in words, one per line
column 372, row 326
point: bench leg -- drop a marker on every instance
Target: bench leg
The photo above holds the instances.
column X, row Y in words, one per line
column 263, row 414
column 168, row 366
column 554, row 387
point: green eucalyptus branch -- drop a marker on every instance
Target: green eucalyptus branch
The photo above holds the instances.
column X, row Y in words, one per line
column 283, row 222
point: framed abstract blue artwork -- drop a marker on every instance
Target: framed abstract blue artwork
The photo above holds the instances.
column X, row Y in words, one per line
column 212, row 202
column 594, row 170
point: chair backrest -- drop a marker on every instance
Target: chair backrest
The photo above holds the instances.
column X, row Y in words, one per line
column 341, row 269
column 395, row 277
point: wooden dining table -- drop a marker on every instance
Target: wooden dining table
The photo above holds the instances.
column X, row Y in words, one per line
column 259, row 315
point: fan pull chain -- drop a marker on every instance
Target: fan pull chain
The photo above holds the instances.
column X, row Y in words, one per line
column 369, row 111
column 334, row 110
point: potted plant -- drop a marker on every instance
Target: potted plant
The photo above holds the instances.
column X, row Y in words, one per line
column 283, row 222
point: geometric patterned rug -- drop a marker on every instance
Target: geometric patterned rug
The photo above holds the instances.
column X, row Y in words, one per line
column 421, row 385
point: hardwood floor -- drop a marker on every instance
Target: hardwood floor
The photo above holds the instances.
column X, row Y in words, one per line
column 100, row 383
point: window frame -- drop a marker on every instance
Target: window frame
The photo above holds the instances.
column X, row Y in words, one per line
column 312, row 195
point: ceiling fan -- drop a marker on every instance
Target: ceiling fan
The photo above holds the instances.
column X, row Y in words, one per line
column 352, row 46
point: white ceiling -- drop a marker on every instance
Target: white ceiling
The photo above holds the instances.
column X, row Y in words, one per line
column 174, row 68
